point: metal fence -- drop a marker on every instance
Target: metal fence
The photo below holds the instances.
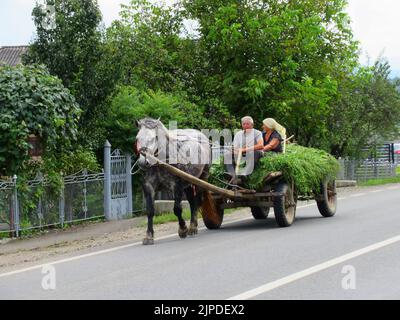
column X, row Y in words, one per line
column 362, row 170
column 7, row 206
column 38, row 204
column 85, row 195
column 115, row 193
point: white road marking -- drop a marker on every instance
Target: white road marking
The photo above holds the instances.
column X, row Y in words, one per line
column 357, row 195
column 306, row 206
column 393, row 188
column 375, row 191
column 115, row 249
column 317, row 268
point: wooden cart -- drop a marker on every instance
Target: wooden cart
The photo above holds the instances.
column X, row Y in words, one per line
column 276, row 193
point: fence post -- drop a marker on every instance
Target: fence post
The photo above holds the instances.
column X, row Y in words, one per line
column 366, row 170
column 341, row 174
column 352, row 170
column 62, row 203
column 129, row 183
column 16, row 207
column 85, row 207
column 40, row 212
column 107, row 180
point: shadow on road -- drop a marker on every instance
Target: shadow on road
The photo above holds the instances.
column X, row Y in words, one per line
column 269, row 223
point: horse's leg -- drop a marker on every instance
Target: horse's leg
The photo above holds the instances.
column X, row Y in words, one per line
column 149, row 194
column 178, row 193
column 191, row 196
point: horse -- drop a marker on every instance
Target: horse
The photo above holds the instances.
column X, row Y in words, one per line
column 152, row 139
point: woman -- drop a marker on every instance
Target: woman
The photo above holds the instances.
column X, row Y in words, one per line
column 274, row 136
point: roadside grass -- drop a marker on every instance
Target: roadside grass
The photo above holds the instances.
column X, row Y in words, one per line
column 38, row 231
column 158, row 219
column 398, row 170
column 171, row 217
column 377, row 182
column 4, row 235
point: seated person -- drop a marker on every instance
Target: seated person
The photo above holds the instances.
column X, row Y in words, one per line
column 248, row 142
column 274, row 136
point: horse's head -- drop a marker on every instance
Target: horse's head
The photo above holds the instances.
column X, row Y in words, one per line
column 147, row 140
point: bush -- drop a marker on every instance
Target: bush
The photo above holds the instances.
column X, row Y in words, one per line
column 74, row 161
column 33, row 102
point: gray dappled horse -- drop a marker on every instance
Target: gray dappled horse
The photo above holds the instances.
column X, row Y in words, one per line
column 188, row 150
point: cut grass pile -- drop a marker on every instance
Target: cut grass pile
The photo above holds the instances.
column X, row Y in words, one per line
column 306, row 167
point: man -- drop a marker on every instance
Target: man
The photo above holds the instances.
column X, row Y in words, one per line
column 247, row 143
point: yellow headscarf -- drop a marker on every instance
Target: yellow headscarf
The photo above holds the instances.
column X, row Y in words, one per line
column 273, row 125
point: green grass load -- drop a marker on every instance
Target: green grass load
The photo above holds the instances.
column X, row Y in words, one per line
column 306, row 167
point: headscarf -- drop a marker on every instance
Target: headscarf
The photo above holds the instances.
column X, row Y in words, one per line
column 273, row 125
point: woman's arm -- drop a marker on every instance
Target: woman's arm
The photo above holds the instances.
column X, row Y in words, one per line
column 272, row 145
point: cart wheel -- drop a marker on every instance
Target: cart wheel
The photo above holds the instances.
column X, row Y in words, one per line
column 327, row 199
column 260, row 213
column 212, row 212
column 285, row 205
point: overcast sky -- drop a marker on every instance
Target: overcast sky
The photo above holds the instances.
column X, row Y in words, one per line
column 375, row 24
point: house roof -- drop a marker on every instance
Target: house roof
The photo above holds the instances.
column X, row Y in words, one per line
column 11, row 56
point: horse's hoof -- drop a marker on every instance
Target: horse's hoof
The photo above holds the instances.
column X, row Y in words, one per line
column 148, row 241
column 183, row 232
column 192, row 231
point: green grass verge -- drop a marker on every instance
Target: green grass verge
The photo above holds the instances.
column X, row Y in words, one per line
column 24, row 234
column 4, row 235
column 398, row 170
column 171, row 217
column 377, row 182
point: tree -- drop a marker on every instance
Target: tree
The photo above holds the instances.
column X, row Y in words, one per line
column 366, row 112
column 33, row 102
column 131, row 104
column 276, row 58
column 294, row 60
column 146, row 48
column 72, row 50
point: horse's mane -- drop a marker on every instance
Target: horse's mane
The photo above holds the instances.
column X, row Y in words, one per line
column 182, row 139
column 151, row 123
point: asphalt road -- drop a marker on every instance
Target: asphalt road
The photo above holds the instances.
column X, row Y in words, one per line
column 354, row 255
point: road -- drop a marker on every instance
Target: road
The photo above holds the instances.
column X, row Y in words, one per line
column 354, row 255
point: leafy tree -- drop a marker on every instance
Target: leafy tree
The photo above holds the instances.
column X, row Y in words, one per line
column 295, row 61
column 73, row 51
column 131, row 104
column 275, row 58
column 147, row 49
column 33, row 102
column 367, row 110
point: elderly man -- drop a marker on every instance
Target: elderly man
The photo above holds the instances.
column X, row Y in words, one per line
column 247, row 143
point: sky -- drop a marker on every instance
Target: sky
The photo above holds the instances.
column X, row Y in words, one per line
column 375, row 24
